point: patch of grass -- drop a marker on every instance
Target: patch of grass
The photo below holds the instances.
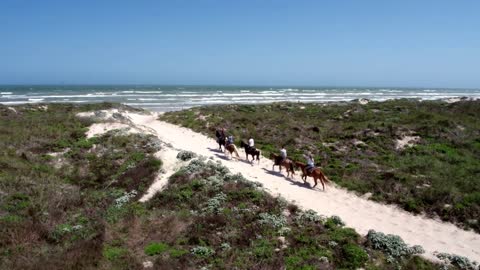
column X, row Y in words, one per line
column 113, row 253
column 156, row 248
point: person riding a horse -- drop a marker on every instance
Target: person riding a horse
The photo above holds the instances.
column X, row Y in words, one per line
column 282, row 157
column 251, row 144
column 310, row 163
column 229, row 140
column 220, row 134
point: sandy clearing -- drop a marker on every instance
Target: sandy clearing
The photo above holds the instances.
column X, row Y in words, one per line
column 406, row 141
column 170, row 165
column 358, row 213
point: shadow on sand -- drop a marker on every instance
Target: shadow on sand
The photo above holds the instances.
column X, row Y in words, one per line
column 289, row 179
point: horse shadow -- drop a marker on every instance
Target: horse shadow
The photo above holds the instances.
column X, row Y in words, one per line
column 215, row 150
column 289, row 179
column 222, row 156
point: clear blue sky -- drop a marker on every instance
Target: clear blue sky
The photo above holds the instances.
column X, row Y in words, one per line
column 257, row 42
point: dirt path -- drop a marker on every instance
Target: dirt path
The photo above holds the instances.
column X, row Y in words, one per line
column 358, row 213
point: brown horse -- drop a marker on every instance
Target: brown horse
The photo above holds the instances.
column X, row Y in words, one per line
column 232, row 149
column 316, row 174
column 255, row 153
column 287, row 163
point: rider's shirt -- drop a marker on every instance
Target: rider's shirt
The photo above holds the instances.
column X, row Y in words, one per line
column 251, row 143
column 283, row 153
column 310, row 162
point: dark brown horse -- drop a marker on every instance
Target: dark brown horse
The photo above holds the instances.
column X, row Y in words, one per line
column 316, row 173
column 221, row 138
column 255, row 153
column 287, row 163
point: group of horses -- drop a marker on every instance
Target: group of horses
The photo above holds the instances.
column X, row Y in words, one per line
column 289, row 164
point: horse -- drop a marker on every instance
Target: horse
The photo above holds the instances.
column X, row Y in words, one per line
column 287, row 163
column 221, row 138
column 232, row 149
column 250, row 151
column 316, row 173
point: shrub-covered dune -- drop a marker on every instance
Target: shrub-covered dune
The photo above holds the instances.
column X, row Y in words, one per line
column 421, row 155
column 61, row 194
column 71, row 202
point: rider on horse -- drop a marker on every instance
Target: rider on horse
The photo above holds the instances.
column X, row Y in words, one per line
column 220, row 134
column 229, row 140
column 251, row 144
column 282, row 157
column 310, row 163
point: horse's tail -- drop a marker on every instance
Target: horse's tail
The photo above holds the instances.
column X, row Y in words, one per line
column 325, row 178
column 235, row 150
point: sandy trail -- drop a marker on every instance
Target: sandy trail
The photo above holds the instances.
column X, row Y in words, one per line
column 358, row 213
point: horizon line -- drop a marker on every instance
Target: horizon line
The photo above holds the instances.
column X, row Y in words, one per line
column 232, row 85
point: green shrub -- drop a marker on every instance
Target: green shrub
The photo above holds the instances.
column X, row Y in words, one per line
column 392, row 245
column 176, row 253
column 202, row 251
column 276, row 221
column 355, row 256
column 186, row 155
column 343, row 235
column 155, row 248
column 458, row 261
column 308, row 216
column 214, row 204
column 113, row 253
column 263, row 249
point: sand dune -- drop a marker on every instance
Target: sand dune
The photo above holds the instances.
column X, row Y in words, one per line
column 357, row 212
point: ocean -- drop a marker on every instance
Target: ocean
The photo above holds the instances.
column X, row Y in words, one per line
column 170, row 98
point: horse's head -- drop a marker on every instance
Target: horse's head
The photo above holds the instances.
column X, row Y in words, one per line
column 273, row 156
column 298, row 164
column 242, row 143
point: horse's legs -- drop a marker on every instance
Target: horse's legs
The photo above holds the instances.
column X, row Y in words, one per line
column 236, row 152
column 315, row 179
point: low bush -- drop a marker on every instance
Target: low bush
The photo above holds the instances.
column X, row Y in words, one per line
column 202, row 251
column 392, row 245
column 186, row 155
column 155, row 248
column 458, row 261
column 355, row 256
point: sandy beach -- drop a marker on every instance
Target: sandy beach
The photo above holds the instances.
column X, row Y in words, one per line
column 357, row 212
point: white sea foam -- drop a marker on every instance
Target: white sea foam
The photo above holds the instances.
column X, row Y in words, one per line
column 16, row 102
column 35, row 99
column 148, row 92
column 6, row 93
column 288, row 89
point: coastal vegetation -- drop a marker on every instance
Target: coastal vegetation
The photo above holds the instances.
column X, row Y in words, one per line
column 61, row 194
column 71, row 202
column 421, row 155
